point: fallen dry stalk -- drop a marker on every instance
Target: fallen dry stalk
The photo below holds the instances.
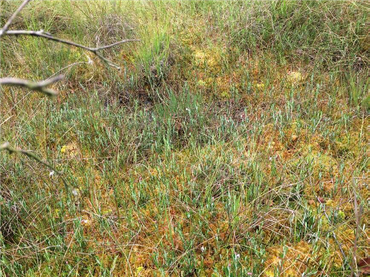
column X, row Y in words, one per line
column 41, row 86
column 37, row 86
column 6, row 147
column 94, row 50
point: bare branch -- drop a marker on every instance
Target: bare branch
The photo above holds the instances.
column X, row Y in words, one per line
column 37, row 86
column 10, row 20
column 46, row 35
column 6, row 146
column 43, row 34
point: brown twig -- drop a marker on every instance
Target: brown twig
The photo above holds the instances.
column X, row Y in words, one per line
column 42, row 85
column 10, row 20
column 6, row 146
column 37, row 86
column 42, row 34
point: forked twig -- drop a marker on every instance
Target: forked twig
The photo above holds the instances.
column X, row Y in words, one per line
column 48, row 36
column 37, row 86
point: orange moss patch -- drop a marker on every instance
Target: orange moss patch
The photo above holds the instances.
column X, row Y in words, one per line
column 293, row 263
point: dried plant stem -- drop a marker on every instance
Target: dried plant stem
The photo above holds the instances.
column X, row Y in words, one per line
column 6, row 146
column 36, row 86
column 41, row 86
column 48, row 36
column 10, row 20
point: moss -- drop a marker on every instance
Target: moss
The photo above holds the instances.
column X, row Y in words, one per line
column 322, row 162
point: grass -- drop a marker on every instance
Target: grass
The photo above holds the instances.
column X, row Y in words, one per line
column 233, row 142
